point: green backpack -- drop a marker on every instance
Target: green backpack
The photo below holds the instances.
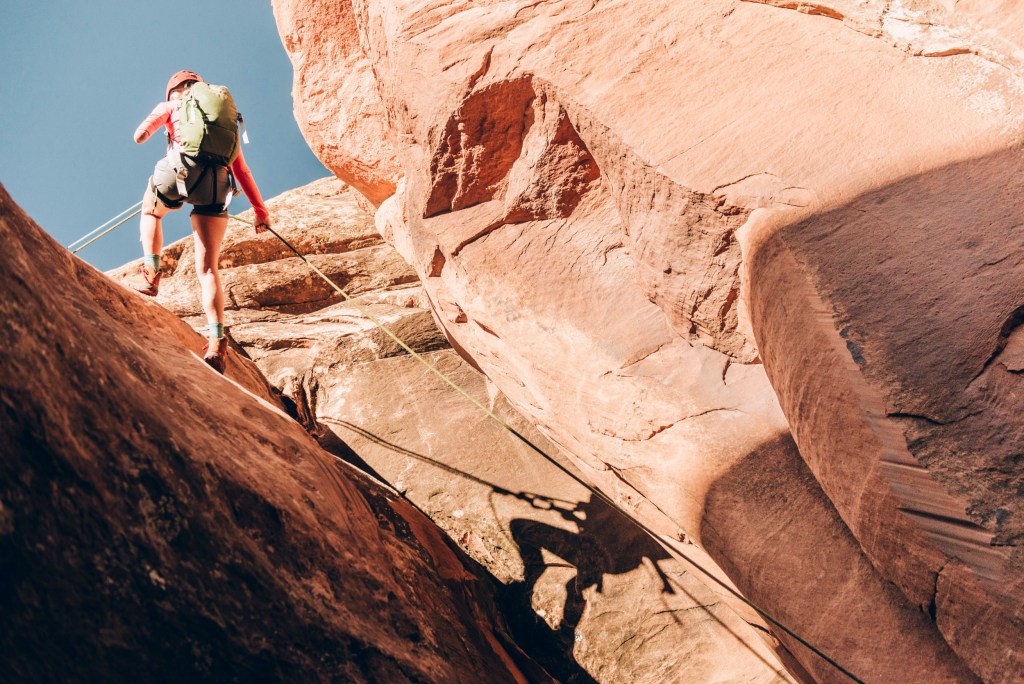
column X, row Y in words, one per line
column 208, row 124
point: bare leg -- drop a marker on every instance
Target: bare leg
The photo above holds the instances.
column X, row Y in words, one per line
column 207, row 234
column 151, row 233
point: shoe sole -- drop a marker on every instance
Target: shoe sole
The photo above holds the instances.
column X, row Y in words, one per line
column 217, row 363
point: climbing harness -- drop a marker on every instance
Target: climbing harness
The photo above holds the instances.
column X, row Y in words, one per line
column 526, row 441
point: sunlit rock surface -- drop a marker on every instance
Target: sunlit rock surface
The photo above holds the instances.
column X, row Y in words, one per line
column 575, row 184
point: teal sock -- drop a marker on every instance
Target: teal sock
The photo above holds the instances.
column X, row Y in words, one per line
column 152, row 261
column 216, row 330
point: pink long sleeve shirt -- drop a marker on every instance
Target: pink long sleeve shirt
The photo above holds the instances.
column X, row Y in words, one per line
column 166, row 114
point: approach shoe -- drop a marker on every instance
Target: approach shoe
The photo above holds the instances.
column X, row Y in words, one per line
column 149, row 284
column 217, row 357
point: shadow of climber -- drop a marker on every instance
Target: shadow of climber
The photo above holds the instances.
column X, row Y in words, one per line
column 605, row 542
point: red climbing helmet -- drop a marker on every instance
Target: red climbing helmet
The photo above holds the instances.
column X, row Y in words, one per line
column 180, row 77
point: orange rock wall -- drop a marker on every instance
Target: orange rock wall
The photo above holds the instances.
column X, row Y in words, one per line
column 594, row 194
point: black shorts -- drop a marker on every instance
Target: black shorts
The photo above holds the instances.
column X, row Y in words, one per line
column 208, row 187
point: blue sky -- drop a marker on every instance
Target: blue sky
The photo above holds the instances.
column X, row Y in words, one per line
column 76, row 78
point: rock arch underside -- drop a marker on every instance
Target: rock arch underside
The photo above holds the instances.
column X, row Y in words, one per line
column 749, row 272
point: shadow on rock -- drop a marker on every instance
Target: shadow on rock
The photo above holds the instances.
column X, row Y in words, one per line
column 583, row 550
column 604, row 542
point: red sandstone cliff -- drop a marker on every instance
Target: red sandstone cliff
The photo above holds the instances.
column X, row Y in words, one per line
column 160, row 521
column 620, row 210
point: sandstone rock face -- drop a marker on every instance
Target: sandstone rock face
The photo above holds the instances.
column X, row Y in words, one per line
column 330, row 70
column 577, row 186
column 910, row 353
column 588, row 593
column 158, row 520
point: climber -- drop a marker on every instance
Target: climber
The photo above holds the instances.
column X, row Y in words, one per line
column 203, row 161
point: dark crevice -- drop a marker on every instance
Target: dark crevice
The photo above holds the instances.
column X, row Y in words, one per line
column 932, row 607
column 1014, row 320
column 944, row 519
column 436, row 264
column 486, row 329
column 485, row 66
column 914, row 416
column 933, row 421
column 480, row 234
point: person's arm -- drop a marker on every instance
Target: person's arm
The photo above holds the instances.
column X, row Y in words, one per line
column 248, row 184
column 160, row 115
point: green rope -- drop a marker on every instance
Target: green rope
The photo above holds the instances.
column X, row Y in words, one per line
column 596, row 492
